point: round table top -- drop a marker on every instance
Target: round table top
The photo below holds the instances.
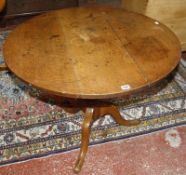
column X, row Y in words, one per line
column 92, row 52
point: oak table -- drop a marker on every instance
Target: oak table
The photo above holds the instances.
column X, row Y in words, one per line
column 92, row 53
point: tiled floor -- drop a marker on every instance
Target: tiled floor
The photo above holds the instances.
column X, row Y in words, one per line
column 160, row 153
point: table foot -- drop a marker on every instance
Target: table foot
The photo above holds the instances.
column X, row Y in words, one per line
column 92, row 114
column 113, row 110
column 85, row 139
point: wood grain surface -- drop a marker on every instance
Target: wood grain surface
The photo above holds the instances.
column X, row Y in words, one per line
column 169, row 12
column 91, row 53
column 2, row 4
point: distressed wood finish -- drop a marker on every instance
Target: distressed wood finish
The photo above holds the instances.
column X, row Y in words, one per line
column 91, row 53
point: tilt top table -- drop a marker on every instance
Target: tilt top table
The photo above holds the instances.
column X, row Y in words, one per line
column 92, row 53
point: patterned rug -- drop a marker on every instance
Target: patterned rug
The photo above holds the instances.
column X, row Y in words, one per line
column 31, row 127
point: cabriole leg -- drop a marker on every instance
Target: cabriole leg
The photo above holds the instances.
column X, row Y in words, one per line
column 88, row 120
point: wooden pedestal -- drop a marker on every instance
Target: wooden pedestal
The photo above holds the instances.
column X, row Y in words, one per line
column 91, row 115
